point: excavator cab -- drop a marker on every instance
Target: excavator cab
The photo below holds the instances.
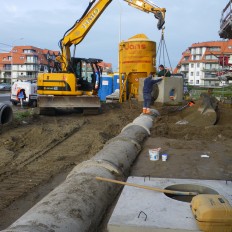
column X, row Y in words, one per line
column 88, row 73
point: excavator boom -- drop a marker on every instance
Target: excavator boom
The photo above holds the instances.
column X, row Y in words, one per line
column 80, row 29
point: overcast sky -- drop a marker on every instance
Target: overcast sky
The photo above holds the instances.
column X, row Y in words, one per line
column 43, row 23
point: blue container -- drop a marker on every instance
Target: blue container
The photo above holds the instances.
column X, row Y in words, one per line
column 106, row 87
column 116, row 82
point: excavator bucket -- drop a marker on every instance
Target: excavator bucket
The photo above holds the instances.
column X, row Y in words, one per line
column 204, row 112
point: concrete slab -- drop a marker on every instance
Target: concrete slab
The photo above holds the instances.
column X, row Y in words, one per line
column 169, row 86
column 144, row 210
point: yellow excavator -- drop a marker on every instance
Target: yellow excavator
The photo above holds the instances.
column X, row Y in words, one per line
column 74, row 83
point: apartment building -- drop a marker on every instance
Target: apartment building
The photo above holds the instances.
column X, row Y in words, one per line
column 25, row 62
column 200, row 63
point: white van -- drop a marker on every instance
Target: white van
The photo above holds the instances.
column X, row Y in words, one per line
column 30, row 90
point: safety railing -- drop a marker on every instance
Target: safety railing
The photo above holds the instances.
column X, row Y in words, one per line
column 226, row 14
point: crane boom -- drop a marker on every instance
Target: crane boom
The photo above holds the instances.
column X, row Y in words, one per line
column 80, row 29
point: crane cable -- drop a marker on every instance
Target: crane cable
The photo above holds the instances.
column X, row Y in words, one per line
column 162, row 48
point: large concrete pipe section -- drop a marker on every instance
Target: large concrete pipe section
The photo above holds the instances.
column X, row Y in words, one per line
column 79, row 203
column 6, row 113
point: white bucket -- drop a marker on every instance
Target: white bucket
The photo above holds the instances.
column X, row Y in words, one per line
column 164, row 157
column 154, row 154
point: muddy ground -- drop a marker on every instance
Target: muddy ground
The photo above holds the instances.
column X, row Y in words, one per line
column 37, row 152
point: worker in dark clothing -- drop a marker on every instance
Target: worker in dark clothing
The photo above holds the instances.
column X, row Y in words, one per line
column 163, row 72
column 147, row 89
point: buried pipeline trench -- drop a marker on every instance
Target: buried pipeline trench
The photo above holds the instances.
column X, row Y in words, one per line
column 37, row 151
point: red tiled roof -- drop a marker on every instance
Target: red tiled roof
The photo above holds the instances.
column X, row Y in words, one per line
column 105, row 65
column 224, row 46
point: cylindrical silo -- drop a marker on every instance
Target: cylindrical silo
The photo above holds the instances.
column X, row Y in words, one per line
column 137, row 58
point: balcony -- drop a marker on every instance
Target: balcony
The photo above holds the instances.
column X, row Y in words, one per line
column 225, row 31
column 31, row 62
column 210, row 78
column 6, row 69
column 214, row 70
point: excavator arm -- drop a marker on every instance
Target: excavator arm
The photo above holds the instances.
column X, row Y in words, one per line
column 82, row 26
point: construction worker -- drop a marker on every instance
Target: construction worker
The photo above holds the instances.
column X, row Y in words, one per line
column 147, row 89
column 166, row 73
column 163, row 72
column 21, row 95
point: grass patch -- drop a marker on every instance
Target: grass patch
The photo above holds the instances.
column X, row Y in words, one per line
column 22, row 115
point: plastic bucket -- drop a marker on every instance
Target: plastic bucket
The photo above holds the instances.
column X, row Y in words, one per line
column 164, row 157
column 154, row 154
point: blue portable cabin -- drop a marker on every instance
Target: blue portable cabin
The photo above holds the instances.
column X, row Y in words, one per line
column 116, row 84
column 106, row 87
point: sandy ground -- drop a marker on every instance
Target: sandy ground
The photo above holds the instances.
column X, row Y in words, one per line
column 196, row 149
column 37, row 151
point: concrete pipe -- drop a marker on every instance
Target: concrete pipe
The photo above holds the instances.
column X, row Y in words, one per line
column 120, row 153
column 79, row 203
column 6, row 113
column 76, row 205
column 144, row 121
column 122, row 150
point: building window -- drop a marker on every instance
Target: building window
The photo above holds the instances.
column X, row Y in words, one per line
column 29, row 51
column 197, row 74
column 199, row 51
column 186, row 58
column 197, row 82
column 7, row 67
column 194, row 57
column 32, row 59
column 211, row 66
column 191, row 74
column 210, row 57
column 198, row 65
column 207, row 66
column 214, row 49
